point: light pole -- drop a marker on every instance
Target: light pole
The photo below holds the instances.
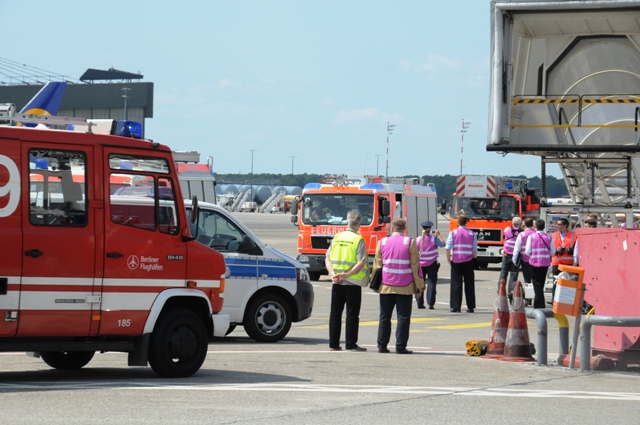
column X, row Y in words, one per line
column 252, row 151
column 125, row 91
column 389, row 131
column 292, row 158
column 377, row 155
column 465, row 126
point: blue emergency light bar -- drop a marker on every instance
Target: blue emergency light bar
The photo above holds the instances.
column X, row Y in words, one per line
column 126, row 128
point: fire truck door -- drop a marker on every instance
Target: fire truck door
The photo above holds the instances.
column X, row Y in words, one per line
column 58, row 275
column 11, row 246
column 144, row 251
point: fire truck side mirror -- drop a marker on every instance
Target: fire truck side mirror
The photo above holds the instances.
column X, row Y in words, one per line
column 194, row 209
column 294, row 206
column 386, row 209
column 443, row 207
column 193, row 219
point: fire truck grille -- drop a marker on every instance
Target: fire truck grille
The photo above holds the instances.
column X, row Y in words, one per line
column 488, row 235
column 321, row 242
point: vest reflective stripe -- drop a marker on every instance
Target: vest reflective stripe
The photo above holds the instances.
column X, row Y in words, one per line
column 428, row 250
column 510, row 235
column 462, row 250
column 525, row 236
column 396, row 261
column 568, row 242
column 344, row 255
column 540, row 250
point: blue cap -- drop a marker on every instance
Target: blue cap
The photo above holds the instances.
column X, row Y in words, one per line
column 426, row 224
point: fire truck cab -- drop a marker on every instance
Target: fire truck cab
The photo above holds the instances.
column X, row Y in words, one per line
column 490, row 203
column 80, row 272
column 322, row 212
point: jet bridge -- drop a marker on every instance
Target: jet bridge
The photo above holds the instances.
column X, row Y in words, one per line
column 565, row 86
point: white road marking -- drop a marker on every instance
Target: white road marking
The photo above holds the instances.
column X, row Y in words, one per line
column 317, row 388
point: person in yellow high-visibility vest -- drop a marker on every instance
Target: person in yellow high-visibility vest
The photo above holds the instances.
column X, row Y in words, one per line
column 346, row 262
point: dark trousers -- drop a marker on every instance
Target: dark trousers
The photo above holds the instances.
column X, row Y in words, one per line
column 431, row 276
column 538, row 279
column 510, row 270
column 351, row 295
column 402, row 303
column 555, row 271
column 526, row 271
column 462, row 272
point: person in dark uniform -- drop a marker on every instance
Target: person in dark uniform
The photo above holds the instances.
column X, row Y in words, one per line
column 428, row 245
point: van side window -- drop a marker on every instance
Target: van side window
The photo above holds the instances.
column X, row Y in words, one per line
column 218, row 232
column 57, row 188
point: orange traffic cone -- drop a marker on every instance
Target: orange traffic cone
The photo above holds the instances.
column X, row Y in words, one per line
column 517, row 347
column 499, row 323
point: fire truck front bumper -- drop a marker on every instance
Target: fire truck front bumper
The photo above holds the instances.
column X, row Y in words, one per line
column 490, row 254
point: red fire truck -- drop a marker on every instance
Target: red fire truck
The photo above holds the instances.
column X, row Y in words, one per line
column 490, row 203
column 80, row 273
column 324, row 206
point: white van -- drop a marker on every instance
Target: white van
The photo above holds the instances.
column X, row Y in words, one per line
column 265, row 290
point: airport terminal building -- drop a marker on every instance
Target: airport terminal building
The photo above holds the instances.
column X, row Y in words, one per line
column 97, row 95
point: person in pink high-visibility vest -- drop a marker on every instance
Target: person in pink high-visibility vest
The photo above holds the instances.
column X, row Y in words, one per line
column 462, row 250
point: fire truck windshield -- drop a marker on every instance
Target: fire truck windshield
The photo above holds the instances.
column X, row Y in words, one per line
column 333, row 209
column 483, row 208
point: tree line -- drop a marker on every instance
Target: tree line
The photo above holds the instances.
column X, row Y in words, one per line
column 445, row 185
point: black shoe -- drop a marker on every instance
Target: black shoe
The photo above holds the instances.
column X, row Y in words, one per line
column 421, row 307
column 338, row 348
column 430, row 307
column 383, row 350
column 403, row 351
column 356, row 348
column 469, row 310
column 455, row 310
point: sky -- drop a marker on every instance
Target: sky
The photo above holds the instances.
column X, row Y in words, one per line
column 282, row 85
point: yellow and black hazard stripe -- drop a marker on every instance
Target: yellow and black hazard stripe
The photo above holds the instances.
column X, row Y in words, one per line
column 574, row 101
column 606, row 100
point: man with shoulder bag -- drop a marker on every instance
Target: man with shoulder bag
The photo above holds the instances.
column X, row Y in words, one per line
column 397, row 256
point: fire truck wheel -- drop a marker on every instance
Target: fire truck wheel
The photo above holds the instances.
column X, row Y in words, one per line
column 314, row 276
column 268, row 318
column 178, row 344
column 67, row 360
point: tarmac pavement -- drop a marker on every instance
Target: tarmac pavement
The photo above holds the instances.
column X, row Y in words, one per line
column 299, row 381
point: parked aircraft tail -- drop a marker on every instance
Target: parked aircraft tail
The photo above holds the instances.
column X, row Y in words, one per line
column 47, row 100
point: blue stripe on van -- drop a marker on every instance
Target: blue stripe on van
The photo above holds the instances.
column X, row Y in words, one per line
column 276, row 269
column 241, row 268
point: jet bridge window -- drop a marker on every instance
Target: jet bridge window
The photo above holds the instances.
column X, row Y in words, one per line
column 57, row 190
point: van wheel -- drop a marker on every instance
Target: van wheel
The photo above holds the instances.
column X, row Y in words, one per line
column 315, row 276
column 268, row 318
column 178, row 344
column 67, row 360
